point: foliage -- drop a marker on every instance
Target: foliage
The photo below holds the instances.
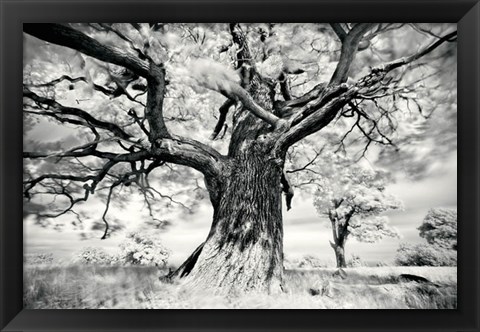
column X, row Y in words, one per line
column 94, row 256
column 140, row 248
column 425, row 255
column 306, row 262
column 310, row 262
column 439, row 228
column 372, row 229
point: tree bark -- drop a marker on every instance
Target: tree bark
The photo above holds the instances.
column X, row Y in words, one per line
column 340, row 255
column 244, row 249
column 340, row 233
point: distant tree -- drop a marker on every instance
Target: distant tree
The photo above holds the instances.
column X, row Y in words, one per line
column 439, row 227
column 143, row 249
column 424, row 254
column 353, row 197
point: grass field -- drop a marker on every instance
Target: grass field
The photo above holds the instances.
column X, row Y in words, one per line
column 97, row 287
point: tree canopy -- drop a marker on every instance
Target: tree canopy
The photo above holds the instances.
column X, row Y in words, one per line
column 439, row 227
column 93, row 85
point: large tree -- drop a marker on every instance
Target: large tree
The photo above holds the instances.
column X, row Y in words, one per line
column 272, row 111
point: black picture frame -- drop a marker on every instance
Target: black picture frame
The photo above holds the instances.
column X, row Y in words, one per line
column 16, row 12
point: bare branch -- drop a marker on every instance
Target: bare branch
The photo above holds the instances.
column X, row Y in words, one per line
column 109, row 28
column 317, row 113
column 221, row 119
column 309, row 163
column 314, row 116
column 349, row 49
column 58, row 80
column 236, row 92
column 107, row 205
column 339, row 31
column 65, row 36
column 113, row 128
column 155, row 96
column 285, row 87
column 138, row 121
column 403, row 61
column 288, row 190
column 243, row 55
column 188, row 152
column 342, row 35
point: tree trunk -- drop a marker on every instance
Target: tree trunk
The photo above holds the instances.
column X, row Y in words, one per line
column 244, row 249
column 340, row 255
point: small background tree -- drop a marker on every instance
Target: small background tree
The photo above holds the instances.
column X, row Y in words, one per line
column 439, row 227
column 352, row 197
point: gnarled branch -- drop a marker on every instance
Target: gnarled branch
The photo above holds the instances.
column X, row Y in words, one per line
column 65, row 36
column 317, row 113
column 349, row 49
column 87, row 117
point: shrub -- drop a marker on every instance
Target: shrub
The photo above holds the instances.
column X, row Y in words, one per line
column 311, row 262
column 94, row 255
column 355, row 261
column 143, row 249
column 425, row 255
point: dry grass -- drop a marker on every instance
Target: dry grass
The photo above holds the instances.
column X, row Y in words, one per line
column 96, row 287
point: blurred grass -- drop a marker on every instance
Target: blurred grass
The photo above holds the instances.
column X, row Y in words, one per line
column 132, row 287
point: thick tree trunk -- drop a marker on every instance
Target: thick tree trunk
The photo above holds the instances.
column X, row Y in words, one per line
column 340, row 255
column 244, row 249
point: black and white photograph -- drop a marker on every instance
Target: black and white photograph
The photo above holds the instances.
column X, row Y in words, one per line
column 239, row 166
